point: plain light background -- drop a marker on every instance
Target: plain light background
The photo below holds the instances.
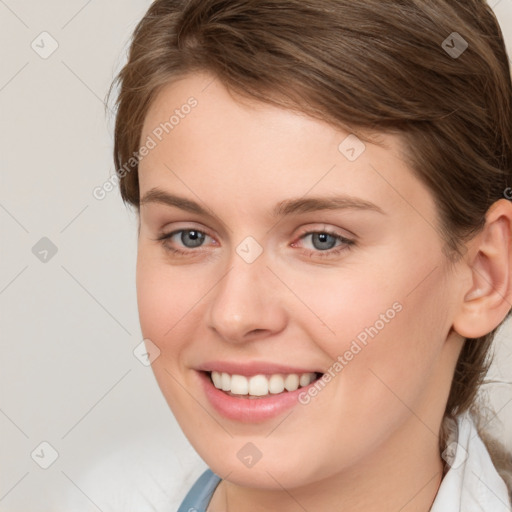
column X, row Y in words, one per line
column 69, row 320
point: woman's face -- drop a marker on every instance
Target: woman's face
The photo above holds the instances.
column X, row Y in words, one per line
column 299, row 252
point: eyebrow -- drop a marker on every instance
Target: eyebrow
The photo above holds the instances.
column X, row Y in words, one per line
column 283, row 208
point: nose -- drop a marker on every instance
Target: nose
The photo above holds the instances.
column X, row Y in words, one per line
column 247, row 304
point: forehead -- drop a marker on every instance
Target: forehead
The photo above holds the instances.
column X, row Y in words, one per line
column 214, row 141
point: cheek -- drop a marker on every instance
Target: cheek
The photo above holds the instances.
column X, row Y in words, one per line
column 338, row 305
column 165, row 296
column 391, row 293
column 383, row 329
column 397, row 342
column 165, row 302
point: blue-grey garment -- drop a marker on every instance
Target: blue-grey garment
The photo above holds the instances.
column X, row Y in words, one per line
column 201, row 493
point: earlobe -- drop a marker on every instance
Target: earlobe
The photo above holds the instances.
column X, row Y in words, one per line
column 489, row 299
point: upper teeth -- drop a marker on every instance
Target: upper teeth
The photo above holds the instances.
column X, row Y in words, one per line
column 260, row 385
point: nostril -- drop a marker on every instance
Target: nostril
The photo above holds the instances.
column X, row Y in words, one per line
column 256, row 332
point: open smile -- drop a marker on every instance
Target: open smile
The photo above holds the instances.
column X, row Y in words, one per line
column 256, row 398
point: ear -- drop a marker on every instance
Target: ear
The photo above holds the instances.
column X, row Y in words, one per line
column 489, row 298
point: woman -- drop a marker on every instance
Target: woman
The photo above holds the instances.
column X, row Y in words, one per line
column 324, row 250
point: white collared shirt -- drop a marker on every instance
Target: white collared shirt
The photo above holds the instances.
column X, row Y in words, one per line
column 472, row 484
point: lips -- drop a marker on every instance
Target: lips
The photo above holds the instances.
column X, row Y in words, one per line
column 253, row 409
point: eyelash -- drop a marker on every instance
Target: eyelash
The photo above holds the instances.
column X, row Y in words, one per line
column 312, row 253
column 346, row 244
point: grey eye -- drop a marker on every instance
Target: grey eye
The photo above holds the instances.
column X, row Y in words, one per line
column 191, row 238
column 323, row 241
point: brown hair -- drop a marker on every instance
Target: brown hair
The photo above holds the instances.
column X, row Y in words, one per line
column 377, row 65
